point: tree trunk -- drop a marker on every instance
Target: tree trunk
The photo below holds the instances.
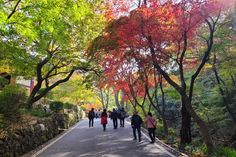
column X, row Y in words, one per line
column 163, row 108
column 117, row 98
column 31, row 98
column 122, row 103
column 107, row 98
column 102, row 98
column 185, row 131
column 166, row 130
column 202, row 125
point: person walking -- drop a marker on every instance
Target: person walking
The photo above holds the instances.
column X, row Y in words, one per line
column 104, row 119
column 114, row 116
column 136, row 122
column 91, row 116
column 122, row 117
column 151, row 125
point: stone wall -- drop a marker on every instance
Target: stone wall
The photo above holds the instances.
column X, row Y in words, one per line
column 26, row 139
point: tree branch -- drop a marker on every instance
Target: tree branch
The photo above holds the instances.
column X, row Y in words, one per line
column 14, row 10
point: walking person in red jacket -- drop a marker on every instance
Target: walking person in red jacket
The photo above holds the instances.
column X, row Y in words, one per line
column 151, row 125
column 104, row 119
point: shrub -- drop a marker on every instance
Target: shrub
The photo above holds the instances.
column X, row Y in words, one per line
column 56, row 106
column 68, row 106
column 12, row 98
column 224, row 152
column 3, row 82
column 36, row 112
column 83, row 108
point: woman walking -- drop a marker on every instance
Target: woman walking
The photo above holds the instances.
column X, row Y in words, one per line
column 151, row 125
column 104, row 119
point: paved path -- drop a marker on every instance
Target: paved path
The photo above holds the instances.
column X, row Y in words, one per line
column 82, row 141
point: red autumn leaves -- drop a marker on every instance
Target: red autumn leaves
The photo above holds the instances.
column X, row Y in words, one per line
column 124, row 44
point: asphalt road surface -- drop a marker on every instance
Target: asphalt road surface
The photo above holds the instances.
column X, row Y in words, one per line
column 82, row 141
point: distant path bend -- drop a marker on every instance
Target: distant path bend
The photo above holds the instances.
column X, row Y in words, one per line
column 82, row 141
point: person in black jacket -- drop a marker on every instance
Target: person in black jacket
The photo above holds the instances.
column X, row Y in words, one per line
column 91, row 116
column 114, row 116
column 136, row 122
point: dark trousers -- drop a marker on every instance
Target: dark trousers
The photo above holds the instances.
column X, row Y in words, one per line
column 139, row 133
column 104, row 127
column 115, row 123
column 122, row 122
column 151, row 132
column 90, row 122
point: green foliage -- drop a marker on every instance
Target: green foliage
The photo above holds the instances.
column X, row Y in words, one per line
column 68, row 105
column 36, row 112
column 11, row 99
column 83, row 108
column 55, row 31
column 56, row 106
column 224, row 152
column 172, row 94
column 3, row 81
column 42, row 25
column 196, row 149
column 74, row 91
column 160, row 130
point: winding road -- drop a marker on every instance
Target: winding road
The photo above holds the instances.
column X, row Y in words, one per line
column 82, row 141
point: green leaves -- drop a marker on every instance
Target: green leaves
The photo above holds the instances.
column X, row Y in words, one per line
column 74, row 91
column 38, row 26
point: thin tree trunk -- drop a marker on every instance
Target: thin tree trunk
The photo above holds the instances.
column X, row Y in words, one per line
column 163, row 108
column 102, row 99
column 185, row 131
column 122, row 103
column 117, row 98
column 107, row 98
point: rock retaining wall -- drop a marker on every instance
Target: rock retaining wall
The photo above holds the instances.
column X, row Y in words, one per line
column 26, row 139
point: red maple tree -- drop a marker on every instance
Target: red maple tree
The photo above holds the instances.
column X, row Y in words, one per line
column 158, row 35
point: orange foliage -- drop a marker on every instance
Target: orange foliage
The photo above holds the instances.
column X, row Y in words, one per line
column 88, row 107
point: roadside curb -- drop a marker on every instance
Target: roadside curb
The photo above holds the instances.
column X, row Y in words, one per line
column 167, row 147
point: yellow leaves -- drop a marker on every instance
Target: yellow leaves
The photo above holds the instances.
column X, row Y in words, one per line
column 207, row 66
column 4, row 69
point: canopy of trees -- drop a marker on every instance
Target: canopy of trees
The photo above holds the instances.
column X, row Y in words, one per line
column 44, row 39
column 175, row 58
column 157, row 40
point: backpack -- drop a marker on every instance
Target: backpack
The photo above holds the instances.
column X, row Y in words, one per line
column 122, row 114
column 90, row 114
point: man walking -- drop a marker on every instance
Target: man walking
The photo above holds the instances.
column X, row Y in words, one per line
column 122, row 117
column 114, row 116
column 91, row 116
column 136, row 122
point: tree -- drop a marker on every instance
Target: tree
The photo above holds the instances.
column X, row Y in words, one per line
column 166, row 34
column 74, row 91
column 52, row 36
column 104, row 97
column 222, row 62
